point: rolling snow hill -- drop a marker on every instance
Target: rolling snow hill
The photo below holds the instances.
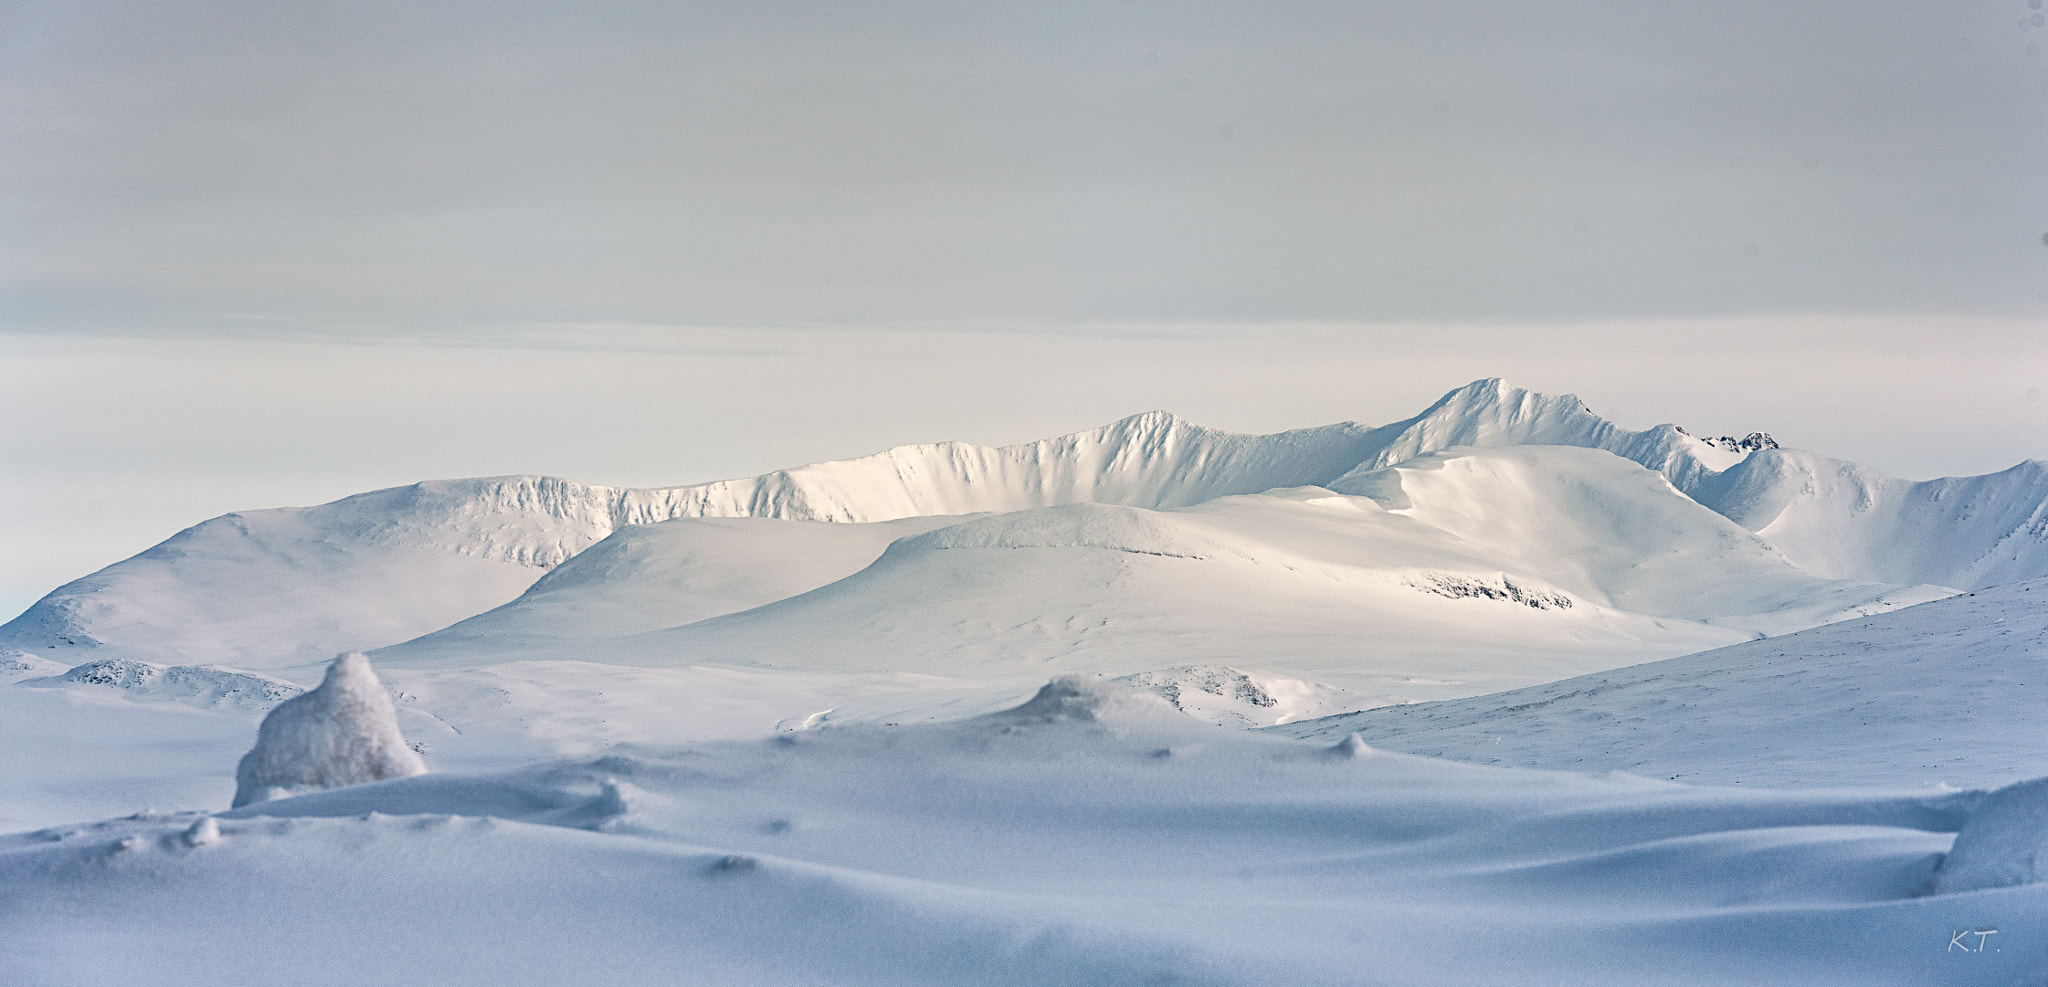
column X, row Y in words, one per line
column 1494, row 566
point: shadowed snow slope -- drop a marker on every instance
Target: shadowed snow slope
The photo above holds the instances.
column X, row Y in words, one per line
column 279, row 588
column 1952, row 691
column 1071, row 841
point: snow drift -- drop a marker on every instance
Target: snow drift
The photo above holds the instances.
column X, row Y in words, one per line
column 2003, row 843
column 344, row 732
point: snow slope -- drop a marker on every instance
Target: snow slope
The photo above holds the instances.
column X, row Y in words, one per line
column 1081, row 839
column 1952, row 691
column 646, row 577
column 1840, row 519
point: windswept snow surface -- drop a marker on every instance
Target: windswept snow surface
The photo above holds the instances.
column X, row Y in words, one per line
column 1954, row 691
column 1088, row 837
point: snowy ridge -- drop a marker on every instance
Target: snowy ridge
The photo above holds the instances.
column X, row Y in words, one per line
column 1151, row 460
column 1491, row 413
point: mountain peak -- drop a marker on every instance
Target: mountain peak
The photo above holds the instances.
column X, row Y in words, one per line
column 1492, row 412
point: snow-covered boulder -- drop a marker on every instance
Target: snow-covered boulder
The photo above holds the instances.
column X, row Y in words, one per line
column 2004, row 842
column 344, row 732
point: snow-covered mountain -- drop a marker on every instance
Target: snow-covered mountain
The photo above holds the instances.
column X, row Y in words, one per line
column 277, row 588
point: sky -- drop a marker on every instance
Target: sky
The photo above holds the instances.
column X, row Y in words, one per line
column 255, row 254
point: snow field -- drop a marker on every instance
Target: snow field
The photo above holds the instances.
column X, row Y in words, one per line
column 1090, row 836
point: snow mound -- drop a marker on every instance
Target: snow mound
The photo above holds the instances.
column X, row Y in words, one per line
column 1087, row 699
column 1229, row 696
column 2003, row 842
column 198, row 685
column 344, row 732
column 647, row 577
column 1103, row 526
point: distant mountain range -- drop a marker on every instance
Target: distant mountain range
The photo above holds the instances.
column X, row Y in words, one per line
column 1501, row 537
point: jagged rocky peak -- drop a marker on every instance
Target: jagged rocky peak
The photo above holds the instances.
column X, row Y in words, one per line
column 1753, row 442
